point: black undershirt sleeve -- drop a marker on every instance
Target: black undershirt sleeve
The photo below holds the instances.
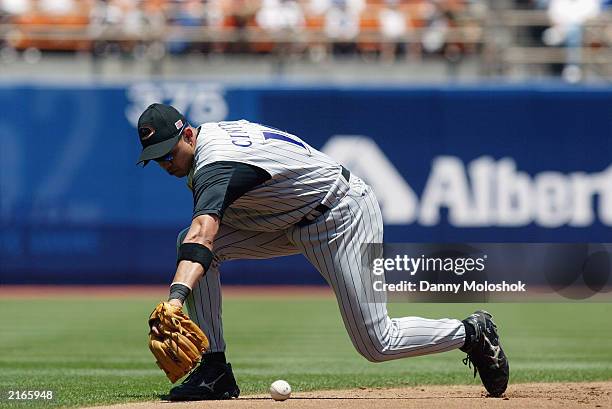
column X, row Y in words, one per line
column 219, row 184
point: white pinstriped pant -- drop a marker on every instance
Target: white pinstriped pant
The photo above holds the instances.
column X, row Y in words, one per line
column 332, row 243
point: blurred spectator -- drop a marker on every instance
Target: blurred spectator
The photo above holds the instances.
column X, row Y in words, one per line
column 441, row 18
column 58, row 7
column 283, row 19
column 127, row 27
column 531, row 34
column 213, row 13
column 436, row 28
column 567, row 18
column 105, row 18
column 153, row 44
column 133, row 20
column 342, row 27
column 320, row 7
column 8, row 10
column 190, row 13
column 98, row 18
column 15, row 7
column 280, row 16
column 193, row 14
column 154, row 16
column 393, row 28
column 241, row 14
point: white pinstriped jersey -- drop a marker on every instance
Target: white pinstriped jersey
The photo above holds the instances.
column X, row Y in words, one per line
column 264, row 223
column 301, row 176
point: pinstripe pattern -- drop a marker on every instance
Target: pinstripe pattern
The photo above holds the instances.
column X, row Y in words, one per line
column 333, row 245
column 262, row 224
column 301, row 175
column 204, row 302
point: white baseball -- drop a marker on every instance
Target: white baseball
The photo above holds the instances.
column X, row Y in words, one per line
column 280, row 390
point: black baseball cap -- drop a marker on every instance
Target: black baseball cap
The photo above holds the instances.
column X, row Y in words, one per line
column 159, row 129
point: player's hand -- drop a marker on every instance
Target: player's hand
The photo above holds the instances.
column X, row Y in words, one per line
column 176, row 303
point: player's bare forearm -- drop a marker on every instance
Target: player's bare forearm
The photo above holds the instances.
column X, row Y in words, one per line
column 203, row 230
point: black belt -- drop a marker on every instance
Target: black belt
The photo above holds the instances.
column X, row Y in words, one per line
column 321, row 208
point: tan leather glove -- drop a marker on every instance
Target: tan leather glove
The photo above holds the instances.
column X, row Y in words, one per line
column 176, row 342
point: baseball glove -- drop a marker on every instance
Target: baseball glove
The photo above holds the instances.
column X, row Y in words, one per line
column 176, row 342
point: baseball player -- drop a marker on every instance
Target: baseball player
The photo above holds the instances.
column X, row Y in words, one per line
column 259, row 192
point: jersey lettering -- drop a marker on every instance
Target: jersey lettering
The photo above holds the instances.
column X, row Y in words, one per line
column 239, row 140
column 237, row 134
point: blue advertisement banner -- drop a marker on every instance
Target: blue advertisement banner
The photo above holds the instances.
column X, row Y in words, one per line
column 448, row 164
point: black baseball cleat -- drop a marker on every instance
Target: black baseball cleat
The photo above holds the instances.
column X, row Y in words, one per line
column 485, row 352
column 209, row 381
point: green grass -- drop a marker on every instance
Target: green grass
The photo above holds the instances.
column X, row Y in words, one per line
column 95, row 351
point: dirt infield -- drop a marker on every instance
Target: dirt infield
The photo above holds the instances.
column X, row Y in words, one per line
column 534, row 395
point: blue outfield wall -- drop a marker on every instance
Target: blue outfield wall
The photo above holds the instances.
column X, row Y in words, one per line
column 449, row 164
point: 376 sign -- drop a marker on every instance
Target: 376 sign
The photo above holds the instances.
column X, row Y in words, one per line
column 199, row 102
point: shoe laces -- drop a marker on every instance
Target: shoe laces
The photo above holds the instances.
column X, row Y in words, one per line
column 488, row 352
column 468, row 361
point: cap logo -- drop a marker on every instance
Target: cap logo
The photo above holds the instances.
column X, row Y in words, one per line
column 145, row 132
column 178, row 124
